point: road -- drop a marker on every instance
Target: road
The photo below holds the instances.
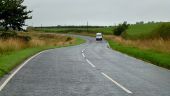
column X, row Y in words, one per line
column 90, row 69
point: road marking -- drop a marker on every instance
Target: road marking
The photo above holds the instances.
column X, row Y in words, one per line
column 126, row 90
column 15, row 72
column 90, row 63
column 87, row 59
column 83, row 50
column 83, row 55
column 108, row 45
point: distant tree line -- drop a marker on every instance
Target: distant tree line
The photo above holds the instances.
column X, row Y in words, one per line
column 72, row 26
column 149, row 22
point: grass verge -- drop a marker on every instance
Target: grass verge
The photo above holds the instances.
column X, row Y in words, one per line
column 12, row 59
column 157, row 58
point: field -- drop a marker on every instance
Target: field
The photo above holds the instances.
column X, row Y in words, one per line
column 13, row 51
column 105, row 30
column 140, row 31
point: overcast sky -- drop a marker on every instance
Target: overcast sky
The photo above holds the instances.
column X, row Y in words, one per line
column 96, row 12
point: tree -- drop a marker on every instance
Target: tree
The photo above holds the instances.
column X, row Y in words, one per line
column 162, row 31
column 140, row 22
column 118, row 30
column 13, row 14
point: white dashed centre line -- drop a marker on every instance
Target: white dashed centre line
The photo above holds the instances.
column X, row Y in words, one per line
column 83, row 50
column 119, row 85
column 90, row 63
column 83, row 55
column 87, row 59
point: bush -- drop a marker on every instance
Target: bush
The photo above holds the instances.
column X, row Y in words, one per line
column 68, row 39
column 24, row 38
column 163, row 31
column 118, row 30
column 6, row 35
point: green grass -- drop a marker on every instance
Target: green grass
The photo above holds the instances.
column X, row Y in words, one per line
column 105, row 30
column 12, row 59
column 79, row 41
column 140, row 31
column 157, row 58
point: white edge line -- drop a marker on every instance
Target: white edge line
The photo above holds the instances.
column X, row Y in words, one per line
column 126, row 90
column 13, row 74
column 108, row 45
column 90, row 63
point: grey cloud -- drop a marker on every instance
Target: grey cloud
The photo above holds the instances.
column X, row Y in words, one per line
column 97, row 12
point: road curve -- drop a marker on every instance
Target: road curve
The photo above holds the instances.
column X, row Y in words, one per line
column 90, row 69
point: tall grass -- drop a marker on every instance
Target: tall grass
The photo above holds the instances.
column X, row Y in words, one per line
column 158, row 44
column 38, row 40
column 157, row 58
column 11, row 44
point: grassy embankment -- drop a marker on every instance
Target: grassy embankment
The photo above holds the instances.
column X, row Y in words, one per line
column 14, row 51
column 143, row 41
column 141, row 31
column 139, row 49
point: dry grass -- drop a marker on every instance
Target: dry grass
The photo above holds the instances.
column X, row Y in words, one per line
column 11, row 45
column 159, row 45
column 37, row 40
column 41, row 39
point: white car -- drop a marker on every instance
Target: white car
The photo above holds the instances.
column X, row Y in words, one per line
column 99, row 36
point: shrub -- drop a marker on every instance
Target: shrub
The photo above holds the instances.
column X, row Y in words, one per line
column 24, row 38
column 163, row 31
column 68, row 39
column 6, row 35
column 118, row 30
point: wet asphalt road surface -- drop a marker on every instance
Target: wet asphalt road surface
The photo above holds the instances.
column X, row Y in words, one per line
column 90, row 69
